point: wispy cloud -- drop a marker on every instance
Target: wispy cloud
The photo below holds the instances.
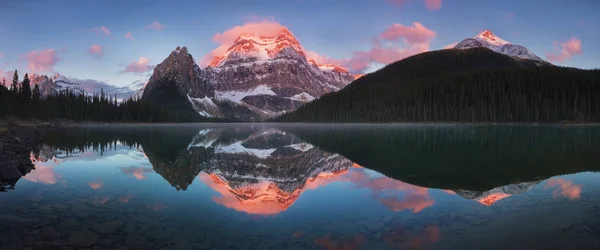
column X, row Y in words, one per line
column 156, row 26
column 42, row 60
column 96, row 50
column 566, row 50
column 129, row 36
column 100, row 30
column 416, row 39
column 429, row 4
column 139, row 66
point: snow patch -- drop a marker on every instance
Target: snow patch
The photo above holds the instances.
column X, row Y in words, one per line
column 302, row 97
column 238, row 148
column 302, row 146
column 205, row 144
column 237, row 95
column 206, row 102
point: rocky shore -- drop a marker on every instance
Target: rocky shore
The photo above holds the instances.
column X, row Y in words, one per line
column 16, row 142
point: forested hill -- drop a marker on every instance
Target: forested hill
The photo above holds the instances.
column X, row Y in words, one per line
column 473, row 85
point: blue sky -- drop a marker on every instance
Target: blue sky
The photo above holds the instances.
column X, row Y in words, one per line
column 56, row 36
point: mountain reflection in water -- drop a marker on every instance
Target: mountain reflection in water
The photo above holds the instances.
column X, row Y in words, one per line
column 432, row 185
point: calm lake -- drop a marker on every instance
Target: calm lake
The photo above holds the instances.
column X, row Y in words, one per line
column 269, row 186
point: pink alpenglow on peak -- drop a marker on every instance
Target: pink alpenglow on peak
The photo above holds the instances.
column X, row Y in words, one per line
column 487, row 39
column 491, row 38
column 262, row 47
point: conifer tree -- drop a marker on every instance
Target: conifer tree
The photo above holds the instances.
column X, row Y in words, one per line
column 15, row 83
column 25, row 88
column 36, row 92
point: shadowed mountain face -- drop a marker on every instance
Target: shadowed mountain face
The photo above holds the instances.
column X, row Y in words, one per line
column 263, row 170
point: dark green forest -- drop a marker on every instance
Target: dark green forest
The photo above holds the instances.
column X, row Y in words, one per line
column 474, row 85
column 20, row 99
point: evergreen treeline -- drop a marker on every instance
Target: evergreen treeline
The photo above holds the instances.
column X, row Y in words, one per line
column 20, row 100
column 475, row 85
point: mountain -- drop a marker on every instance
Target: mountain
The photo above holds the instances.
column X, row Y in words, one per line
column 461, row 85
column 177, row 85
column 52, row 85
column 258, row 77
column 272, row 74
column 487, row 39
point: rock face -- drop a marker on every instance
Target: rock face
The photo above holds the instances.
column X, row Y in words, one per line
column 488, row 40
column 257, row 78
column 272, row 74
column 181, row 71
column 53, row 85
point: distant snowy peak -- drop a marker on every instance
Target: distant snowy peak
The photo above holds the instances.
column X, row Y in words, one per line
column 492, row 39
column 487, row 39
column 50, row 86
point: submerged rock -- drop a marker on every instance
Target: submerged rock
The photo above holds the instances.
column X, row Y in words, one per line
column 83, row 238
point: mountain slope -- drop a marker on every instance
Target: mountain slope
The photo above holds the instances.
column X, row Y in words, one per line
column 176, row 84
column 271, row 75
column 487, row 39
column 470, row 85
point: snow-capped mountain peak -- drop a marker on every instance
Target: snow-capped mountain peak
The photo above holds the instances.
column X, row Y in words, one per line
column 489, row 37
column 249, row 46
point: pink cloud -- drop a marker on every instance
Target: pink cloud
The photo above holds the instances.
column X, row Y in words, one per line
column 430, row 4
column 582, row 23
column 567, row 50
column 156, row 26
column 361, row 60
column 43, row 174
column 96, row 50
column 129, row 36
column 139, row 66
column 42, row 61
column 433, row 4
column 1, row 55
column 564, row 188
column 322, row 59
column 450, row 46
column 412, row 35
column 416, row 39
column 101, row 30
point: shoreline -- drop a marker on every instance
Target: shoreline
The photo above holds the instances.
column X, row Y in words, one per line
column 104, row 124
column 16, row 144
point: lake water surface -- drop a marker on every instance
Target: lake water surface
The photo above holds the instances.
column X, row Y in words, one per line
column 271, row 186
